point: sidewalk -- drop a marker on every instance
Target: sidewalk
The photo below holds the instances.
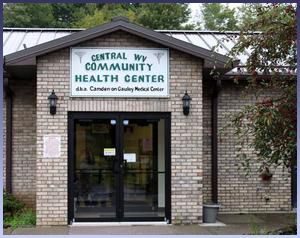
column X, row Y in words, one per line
column 228, row 225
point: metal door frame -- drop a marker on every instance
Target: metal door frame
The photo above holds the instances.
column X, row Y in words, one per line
column 119, row 117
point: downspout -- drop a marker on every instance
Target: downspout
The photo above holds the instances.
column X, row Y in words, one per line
column 9, row 117
column 214, row 144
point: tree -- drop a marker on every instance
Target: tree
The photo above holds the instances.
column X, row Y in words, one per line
column 246, row 14
column 28, row 15
column 45, row 14
column 217, row 16
column 151, row 15
column 67, row 15
column 106, row 13
column 163, row 16
column 270, row 124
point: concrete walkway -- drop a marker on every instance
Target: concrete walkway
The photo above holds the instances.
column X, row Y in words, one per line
column 228, row 225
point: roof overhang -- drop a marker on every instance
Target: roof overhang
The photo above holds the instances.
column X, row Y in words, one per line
column 28, row 56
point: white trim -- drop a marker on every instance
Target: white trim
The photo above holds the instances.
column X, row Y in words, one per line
column 217, row 223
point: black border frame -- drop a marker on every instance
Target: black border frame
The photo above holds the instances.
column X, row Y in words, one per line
column 119, row 116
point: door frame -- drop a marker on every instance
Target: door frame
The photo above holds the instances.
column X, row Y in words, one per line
column 119, row 116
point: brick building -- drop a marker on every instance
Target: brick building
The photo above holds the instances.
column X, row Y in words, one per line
column 119, row 147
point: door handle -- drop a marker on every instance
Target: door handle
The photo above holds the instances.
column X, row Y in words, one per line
column 123, row 166
column 125, row 163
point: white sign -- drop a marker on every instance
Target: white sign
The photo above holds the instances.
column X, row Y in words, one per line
column 119, row 72
column 51, row 147
column 109, row 151
column 130, row 157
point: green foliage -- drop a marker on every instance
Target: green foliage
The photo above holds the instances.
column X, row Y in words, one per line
column 67, row 15
column 256, row 230
column 217, row 16
column 163, row 15
column 10, row 204
column 277, row 42
column 269, row 126
column 155, row 16
column 15, row 213
column 45, row 14
column 246, row 14
column 28, row 15
column 105, row 14
column 151, row 15
column 24, row 217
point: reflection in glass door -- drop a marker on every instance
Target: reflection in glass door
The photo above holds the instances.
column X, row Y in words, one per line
column 95, row 160
column 143, row 170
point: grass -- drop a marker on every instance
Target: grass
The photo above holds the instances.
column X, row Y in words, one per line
column 24, row 217
column 256, row 230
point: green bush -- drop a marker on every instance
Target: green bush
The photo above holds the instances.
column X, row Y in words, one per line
column 256, row 230
column 10, row 204
column 24, row 217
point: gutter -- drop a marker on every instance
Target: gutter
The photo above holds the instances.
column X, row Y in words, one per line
column 214, row 144
column 9, row 117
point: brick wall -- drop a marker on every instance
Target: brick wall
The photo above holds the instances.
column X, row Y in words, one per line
column 238, row 193
column 186, row 132
column 23, row 146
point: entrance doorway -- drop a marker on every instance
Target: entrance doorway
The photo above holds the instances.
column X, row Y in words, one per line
column 119, row 167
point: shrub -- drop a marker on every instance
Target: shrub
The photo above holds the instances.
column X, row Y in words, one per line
column 11, row 205
column 21, row 218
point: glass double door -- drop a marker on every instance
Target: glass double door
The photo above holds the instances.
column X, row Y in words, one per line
column 118, row 167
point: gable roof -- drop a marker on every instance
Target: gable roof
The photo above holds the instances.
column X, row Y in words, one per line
column 17, row 39
column 22, row 57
